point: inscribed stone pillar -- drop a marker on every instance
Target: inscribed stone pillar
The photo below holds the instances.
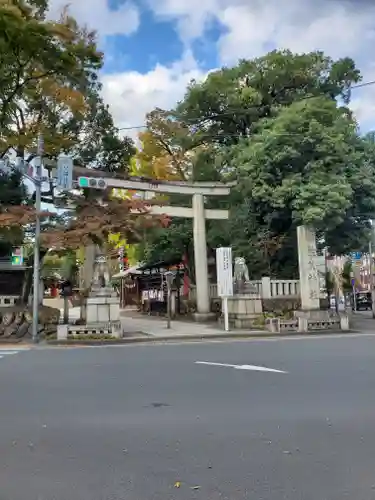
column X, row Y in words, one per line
column 308, row 272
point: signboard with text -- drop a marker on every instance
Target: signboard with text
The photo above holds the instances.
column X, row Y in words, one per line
column 224, row 272
column 64, row 173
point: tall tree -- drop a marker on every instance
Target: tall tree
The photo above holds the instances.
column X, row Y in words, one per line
column 305, row 166
column 273, row 124
column 46, row 71
column 230, row 102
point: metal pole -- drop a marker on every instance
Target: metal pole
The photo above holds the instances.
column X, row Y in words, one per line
column 225, row 312
column 354, row 297
column 37, row 182
column 168, row 306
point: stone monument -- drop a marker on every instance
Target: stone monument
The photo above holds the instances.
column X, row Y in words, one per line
column 310, row 312
column 101, row 309
column 102, row 304
column 241, row 279
column 245, row 306
column 308, row 273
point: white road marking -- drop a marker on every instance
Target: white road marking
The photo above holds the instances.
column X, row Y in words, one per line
column 9, row 352
column 241, row 367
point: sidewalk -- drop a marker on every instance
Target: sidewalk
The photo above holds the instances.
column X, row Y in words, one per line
column 156, row 328
column 136, row 325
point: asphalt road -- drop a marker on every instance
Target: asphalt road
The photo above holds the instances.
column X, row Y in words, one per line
column 128, row 423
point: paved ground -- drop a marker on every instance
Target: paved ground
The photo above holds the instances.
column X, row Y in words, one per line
column 128, row 423
column 11, row 350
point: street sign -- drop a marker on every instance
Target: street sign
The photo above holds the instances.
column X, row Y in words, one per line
column 224, row 272
column 356, row 255
column 92, row 182
column 17, row 256
column 64, row 173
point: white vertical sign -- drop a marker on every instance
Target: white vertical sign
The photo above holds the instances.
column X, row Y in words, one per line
column 64, row 173
column 224, row 272
column 224, row 279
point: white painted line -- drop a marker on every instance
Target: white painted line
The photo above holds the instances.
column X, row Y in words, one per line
column 241, row 367
column 7, row 352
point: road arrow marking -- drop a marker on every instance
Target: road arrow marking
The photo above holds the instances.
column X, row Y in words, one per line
column 241, row 367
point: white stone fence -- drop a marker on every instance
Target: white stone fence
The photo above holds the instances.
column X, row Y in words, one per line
column 8, row 300
column 266, row 288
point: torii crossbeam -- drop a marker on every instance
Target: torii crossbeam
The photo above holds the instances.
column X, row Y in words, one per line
column 198, row 213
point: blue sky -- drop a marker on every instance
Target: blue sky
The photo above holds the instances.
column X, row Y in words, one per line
column 153, row 48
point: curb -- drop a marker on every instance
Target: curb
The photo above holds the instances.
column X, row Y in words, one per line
column 214, row 336
column 12, row 341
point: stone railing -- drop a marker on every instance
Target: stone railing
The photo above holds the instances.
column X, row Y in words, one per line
column 8, row 300
column 267, row 288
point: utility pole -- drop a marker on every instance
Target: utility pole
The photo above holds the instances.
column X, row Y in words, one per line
column 36, row 282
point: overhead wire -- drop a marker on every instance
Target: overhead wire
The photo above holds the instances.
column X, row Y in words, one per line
column 249, row 110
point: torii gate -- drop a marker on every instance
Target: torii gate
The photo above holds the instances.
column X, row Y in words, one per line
column 198, row 213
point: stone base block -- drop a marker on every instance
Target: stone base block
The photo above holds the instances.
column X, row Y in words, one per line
column 102, row 309
column 344, row 322
column 243, row 311
column 66, row 332
column 244, row 305
column 313, row 314
column 203, row 317
column 273, row 325
column 242, row 323
column 62, row 332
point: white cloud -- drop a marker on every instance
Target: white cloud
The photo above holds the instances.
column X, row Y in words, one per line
column 97, row 15
column 131, row 94
column 250, row 28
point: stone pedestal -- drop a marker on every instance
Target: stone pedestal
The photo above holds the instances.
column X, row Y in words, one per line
column 102, row 309
column 244, row 310
column 203, row 317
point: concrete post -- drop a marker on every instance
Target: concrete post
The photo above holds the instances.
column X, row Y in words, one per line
column 200, row 256
column 266, row 287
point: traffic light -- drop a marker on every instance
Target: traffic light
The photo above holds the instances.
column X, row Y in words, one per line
column 92, row 182
column 17, row 256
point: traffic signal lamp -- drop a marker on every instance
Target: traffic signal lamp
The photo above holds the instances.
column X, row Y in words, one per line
column 17, row 256
column 92, row 182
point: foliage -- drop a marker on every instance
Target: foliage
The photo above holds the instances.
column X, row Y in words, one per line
column 49, row 83
column 12, row 194
column 46, row 69
column 306, row 166
column 346, row 277
column 102, row 146
column 274, row 125
column 94, row 220
column 229, row 104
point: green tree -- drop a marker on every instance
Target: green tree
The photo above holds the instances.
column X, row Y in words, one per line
column 230, row 102
column 12, row 193
column 305, row 166
column 274, row 125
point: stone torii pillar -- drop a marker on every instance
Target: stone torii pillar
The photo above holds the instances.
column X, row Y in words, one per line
column 198, row 190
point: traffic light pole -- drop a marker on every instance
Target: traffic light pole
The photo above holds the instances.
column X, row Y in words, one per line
column 36, row 281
